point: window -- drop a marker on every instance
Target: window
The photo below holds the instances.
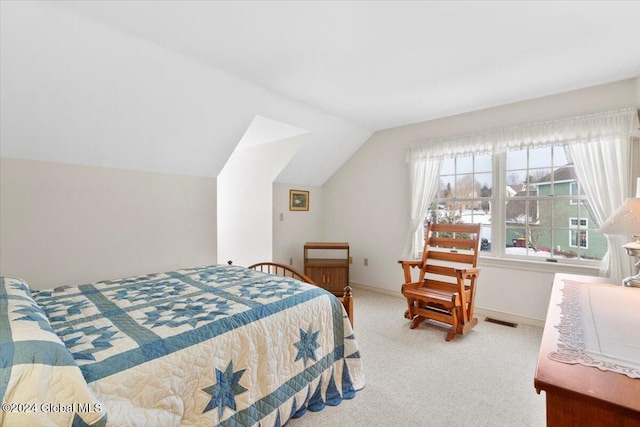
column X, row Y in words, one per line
column 520, row 182
column 574, row 190
column 528, row 202
column 579, row 235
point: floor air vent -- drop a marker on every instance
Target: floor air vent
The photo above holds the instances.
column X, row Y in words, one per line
column 500, row 322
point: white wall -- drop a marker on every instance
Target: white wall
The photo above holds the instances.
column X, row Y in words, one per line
column 296, row 227
column 245, row 200
column 367, row 201
column 65, row 224
column 77, row 91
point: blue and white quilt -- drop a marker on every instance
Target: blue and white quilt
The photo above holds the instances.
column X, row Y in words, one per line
column 214, row 345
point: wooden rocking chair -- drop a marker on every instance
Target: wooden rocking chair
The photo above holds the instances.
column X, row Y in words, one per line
column 445, row 288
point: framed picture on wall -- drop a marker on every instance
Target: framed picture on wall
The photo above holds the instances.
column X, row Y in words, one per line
column 298, row 200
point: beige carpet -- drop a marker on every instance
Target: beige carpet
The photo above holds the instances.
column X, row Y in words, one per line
column 415, row 378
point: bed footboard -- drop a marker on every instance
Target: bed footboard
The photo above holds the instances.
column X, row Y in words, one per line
column 287, row 271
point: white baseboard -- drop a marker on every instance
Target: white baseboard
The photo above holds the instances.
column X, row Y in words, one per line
column 499, row 315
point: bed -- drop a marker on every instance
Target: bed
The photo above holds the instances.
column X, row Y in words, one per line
column 212, row 345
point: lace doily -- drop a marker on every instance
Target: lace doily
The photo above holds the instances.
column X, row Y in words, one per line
column 572, row 346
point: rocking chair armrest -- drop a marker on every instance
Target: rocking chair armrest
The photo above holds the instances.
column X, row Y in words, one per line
column 411, row 285
column 407, row 265
column 410, row 262
column 468, row 273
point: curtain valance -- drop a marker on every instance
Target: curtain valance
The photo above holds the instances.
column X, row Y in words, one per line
column 610, row 125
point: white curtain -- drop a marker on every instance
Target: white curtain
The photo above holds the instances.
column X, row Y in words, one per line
column 606, row 186
column 605, row 126
column 601, row 156
column 424, row 184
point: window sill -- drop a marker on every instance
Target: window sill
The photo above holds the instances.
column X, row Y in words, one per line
column 539, row 266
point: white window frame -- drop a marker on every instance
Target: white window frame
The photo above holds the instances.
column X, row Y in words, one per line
column 497, row 256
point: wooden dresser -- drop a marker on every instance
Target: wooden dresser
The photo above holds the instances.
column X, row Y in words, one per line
column 327, row 264
column 579, row 395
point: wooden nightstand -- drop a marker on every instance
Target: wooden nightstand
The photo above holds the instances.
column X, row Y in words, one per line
column 327, row 264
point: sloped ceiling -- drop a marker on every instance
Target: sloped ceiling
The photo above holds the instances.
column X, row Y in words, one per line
column 172, row 86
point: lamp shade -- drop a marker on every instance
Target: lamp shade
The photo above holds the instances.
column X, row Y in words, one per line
column 625, row 220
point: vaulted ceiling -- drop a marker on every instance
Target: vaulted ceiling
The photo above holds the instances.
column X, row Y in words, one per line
column 180, row 81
